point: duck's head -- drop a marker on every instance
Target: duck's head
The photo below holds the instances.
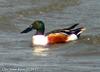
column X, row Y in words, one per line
column 38, row 26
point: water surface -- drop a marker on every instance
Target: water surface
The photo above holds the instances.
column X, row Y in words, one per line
column 17, row 53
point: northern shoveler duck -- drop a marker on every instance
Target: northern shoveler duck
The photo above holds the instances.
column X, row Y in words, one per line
column 56, row 36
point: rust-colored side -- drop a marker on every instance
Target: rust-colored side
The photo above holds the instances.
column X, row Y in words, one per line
column 57, row 38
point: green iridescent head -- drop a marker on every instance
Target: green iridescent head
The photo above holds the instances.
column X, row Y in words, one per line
column 38, row 26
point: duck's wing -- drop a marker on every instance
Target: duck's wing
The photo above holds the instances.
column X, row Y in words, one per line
column 61, row 30
column 71, row 27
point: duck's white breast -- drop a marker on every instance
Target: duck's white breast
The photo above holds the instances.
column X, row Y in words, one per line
column 39, row 40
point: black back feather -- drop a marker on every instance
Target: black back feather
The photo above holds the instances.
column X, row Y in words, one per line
column 61, row 30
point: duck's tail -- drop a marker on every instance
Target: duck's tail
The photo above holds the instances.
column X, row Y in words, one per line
column 76, row 31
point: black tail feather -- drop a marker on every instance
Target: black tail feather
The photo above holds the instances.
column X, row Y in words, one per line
column 76, row 31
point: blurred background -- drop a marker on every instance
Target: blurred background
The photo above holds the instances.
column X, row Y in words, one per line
column 17, row 53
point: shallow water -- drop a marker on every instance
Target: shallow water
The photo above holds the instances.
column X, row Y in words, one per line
column 17, row 53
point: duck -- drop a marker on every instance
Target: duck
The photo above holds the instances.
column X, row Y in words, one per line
column 62, row 35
